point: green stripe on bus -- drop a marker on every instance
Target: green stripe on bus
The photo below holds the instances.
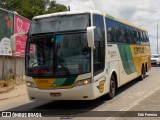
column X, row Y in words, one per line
column 127, row 58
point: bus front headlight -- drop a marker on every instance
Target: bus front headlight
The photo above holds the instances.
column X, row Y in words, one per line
column 82, row 82
column 31, row 84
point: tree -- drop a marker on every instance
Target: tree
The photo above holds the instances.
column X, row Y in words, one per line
column 31, row 8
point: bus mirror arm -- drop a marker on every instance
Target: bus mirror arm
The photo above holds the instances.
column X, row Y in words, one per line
column 13, row 40
column 90, row 37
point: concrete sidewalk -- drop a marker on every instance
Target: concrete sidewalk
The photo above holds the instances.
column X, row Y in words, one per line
column 13, row 91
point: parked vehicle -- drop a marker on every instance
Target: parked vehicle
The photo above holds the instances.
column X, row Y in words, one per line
column 155, row 59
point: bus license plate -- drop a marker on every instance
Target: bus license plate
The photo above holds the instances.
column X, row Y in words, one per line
column 55, row 94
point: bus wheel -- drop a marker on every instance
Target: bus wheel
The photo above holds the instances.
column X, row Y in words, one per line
column 112, row 90
column 143, row 75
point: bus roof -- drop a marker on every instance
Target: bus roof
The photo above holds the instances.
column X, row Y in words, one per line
column 124, row 22
column 67, row 13
column 89, row 11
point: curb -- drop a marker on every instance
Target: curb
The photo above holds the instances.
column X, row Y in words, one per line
column 6, row 89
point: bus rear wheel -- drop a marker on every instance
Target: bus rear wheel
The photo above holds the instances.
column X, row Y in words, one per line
column 112, row 90
column 143, row 73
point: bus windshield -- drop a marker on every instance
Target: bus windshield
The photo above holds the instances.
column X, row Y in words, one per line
column 59, row 23
column 58, row 55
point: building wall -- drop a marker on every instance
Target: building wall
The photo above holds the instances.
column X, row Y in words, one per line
column 11, row 65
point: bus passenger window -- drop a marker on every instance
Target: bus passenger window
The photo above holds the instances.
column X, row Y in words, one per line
column 109, row 34
column 120, row 34
column 143, row 37
column 111, row 30
column 135, row 36
column 99, row 41
column 97, row 58
column 139, row 37
column 132, row 36
column 114, row 34
column 127, row 34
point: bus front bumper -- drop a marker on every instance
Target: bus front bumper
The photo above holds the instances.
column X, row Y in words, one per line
column 85, row 92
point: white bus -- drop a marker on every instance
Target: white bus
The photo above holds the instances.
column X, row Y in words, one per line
column 83, row 55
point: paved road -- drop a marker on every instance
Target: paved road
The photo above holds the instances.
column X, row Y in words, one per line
column 127, row 98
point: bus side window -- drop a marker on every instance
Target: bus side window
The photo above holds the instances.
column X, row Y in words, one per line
column 139, row 37
column 143, row 37
column 119, row 34
column 109, row 34
column 127, row 34
column 131, row 36
column 112, row 30
column 136, row 36
column 99, row 37
column 97, row 57
column 123, row 33
column 146, row 39
column 113, row 34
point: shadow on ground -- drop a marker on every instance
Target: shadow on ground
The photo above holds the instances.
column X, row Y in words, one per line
column 64, row 107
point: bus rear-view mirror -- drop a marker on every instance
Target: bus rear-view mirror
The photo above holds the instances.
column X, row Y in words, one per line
column 90, row 36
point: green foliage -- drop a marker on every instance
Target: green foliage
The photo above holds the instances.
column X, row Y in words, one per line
column 31, row 8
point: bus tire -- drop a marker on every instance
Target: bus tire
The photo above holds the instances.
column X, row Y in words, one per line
column 112, row 89
column 143, row 73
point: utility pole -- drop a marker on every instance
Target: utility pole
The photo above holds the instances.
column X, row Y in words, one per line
column 157, row 35
column 68, row 8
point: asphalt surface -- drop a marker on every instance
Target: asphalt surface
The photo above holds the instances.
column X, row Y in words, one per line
column 135, row 96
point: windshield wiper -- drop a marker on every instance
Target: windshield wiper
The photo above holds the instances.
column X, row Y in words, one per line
column 61, row 70
column 42, row 62
column 67, row 71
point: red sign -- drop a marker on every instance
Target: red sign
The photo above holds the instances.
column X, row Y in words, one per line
column 39, row 71
column 21, row 25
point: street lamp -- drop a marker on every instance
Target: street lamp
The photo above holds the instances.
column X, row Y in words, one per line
column 157, row 35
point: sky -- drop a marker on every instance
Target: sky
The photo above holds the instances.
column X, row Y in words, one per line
column 143, row 13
